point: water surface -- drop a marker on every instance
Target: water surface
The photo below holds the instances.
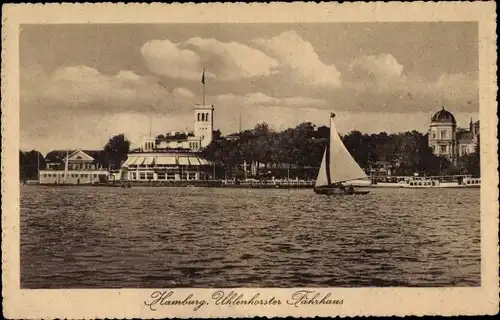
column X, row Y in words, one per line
column 86, row 237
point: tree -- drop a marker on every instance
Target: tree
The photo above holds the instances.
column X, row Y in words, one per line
column 29, row 163
column 216, row 134
column 116, row 150
column 261, row 129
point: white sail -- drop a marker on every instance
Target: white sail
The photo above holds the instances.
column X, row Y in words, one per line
column 322, row 179
column 337, row 165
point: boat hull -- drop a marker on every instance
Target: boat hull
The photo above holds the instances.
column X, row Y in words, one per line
column 339, row 192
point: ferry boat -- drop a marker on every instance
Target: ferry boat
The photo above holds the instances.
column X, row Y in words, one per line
column 434, row 182
column 417, row 182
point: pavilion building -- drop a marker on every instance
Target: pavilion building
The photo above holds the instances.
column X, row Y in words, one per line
column 73, row 167
column 175, row 157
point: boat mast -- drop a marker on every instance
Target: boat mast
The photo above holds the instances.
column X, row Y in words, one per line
column 328, row 151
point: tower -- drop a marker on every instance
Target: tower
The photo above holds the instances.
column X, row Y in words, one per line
column 148, row 144
column 204, row 123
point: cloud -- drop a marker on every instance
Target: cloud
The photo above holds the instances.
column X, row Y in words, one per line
column 84, row 89
column 286, row 54
column 183, row 92
column 458, row 86
column 233, row 60
column 379, row 72
column 378, row 82
column 262, row 100
column 224, row 60
column 299, row 58
column 167, row 58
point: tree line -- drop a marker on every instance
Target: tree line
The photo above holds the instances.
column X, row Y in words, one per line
column 298, row 150
column 301, row 148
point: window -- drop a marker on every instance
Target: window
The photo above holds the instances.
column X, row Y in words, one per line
column 150, row 176
column 170, row 176
column 442, row 149
column 142, row 176
column 433, row 134
column 444, row 134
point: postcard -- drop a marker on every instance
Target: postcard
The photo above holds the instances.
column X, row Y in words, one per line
column 240, row 160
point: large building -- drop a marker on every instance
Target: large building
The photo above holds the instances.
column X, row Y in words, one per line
column 448, row 140
column 175, row 156
column 194, row 140
column 72, row 167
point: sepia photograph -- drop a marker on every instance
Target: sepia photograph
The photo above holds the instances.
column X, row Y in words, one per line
column 245, row 155
column 212, row 155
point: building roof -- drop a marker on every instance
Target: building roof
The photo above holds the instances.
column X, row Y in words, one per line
column 443, row 116
column 164, row 159
column 60, row 155
column 162, row 150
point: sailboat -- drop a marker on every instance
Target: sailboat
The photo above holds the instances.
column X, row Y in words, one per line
column 337, row 167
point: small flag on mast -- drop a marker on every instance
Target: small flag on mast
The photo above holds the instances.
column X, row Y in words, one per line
column 203, row 82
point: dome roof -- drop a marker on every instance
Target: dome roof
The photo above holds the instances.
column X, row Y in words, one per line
column 443, row 116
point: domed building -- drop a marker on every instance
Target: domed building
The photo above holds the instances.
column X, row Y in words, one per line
column 442, row 133
column 447, row 140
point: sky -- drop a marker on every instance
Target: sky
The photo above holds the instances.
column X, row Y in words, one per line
column 80, row 84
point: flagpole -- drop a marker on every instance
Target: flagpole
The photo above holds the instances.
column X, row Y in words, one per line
column 203, row 82
column 150, row 122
